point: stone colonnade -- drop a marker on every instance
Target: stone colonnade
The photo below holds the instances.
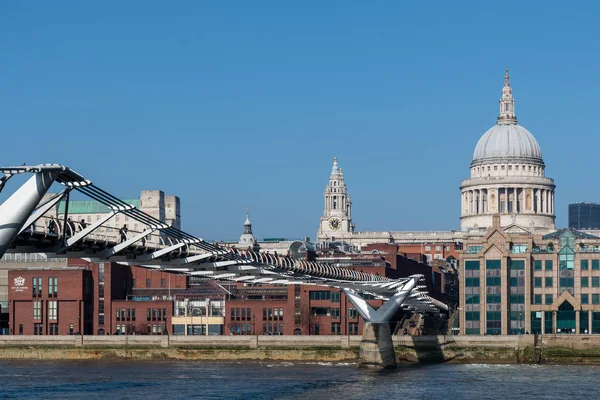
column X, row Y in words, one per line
column 521, row 200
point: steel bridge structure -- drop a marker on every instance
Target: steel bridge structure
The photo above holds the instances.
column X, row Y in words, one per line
column 26, row 228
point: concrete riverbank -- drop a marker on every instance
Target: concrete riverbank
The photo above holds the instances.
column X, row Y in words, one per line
column 457, row 349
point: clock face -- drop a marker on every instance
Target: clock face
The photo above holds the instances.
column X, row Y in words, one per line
column 334, row 224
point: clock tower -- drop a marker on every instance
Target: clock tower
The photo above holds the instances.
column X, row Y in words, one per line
column 336, row 222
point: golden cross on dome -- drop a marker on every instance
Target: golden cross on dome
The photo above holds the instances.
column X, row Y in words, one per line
column 334, row 160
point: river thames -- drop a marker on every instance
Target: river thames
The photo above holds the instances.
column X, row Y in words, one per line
column 269, row 380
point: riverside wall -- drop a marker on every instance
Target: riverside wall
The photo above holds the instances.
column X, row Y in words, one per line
column 456, row 349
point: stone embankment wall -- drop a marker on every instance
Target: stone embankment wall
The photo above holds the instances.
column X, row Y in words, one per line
column 459, row 349
column 279, row 348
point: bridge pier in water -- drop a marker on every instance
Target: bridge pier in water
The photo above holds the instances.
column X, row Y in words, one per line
column 377, row 347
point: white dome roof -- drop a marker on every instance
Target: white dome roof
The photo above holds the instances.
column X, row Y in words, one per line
column 507, row 142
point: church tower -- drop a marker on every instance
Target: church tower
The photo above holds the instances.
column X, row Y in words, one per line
column 336, row 222
column 248, row 240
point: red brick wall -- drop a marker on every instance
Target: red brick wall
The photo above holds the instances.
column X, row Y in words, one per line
column 71, row 301
column 141, row 323
column 141, row 275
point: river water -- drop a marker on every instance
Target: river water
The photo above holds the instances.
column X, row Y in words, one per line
column 270, row 380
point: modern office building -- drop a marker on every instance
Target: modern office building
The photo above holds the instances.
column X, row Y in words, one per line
column 513, row 281
column 585, row 216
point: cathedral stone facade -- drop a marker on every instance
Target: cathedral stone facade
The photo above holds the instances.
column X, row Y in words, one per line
column 507, row 179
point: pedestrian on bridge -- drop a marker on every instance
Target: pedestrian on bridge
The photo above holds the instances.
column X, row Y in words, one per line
column 82, row 223
column 123, row 233
column 52, row 225
column 71, row 226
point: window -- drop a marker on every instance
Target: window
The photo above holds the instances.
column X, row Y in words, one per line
column 335, row 297
column 118, row 314
column 548, row 282
column 537, row 299
column 20, row 329
column 133, row 314
column 147, row 314
column 538, row 265
column 163, row 282
column 595, row 298
column 37, row 310
column 320, row 311
column 101, row 319
column 595, row 281
column 438, row 248
column 427, row 248
column 549, row 299
column 548, row 264
column 595, row 265
column 584, row 281
column 584, row 264
column 148, row 284
column 585, row 299
column 353, row 328
column 38, row 329
column 320, row 295
column 52, row 310
column 352, row 313
column 55, row 287
column 36, row 287
column 89, row 218
column 164, row 314
column 335, row 328
column 53, row 329
column 50, row 287
column 538, row 283
column 335, row 313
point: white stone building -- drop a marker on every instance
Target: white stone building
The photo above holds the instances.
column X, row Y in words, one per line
column 507, row 178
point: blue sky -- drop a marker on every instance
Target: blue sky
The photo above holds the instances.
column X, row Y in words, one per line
column 232, row 104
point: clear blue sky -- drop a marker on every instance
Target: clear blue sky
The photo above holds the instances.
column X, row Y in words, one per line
column 232, row 104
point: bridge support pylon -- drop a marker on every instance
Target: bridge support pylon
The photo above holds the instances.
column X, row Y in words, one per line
column 18, row 207
column 376, row 346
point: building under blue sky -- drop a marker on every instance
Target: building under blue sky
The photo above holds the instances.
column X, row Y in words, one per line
column 235, row 104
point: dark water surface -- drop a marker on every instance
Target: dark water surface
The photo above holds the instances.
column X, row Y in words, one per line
column 269, row 380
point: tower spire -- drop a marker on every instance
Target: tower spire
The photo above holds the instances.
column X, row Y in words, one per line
column 507, row 104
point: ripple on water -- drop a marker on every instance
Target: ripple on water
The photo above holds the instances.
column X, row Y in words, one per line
column 277, row 380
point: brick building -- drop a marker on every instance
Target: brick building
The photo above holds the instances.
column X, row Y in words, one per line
column 50, row 301
column 291, row 310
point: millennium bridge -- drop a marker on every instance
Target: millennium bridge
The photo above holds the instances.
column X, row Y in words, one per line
column 25, row 228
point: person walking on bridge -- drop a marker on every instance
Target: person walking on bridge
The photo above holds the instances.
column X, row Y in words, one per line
column 123, row 233
column 52, row 225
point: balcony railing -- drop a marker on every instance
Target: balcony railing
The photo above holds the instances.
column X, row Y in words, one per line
column 542, row 250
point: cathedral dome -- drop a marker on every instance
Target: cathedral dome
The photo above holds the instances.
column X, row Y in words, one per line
column 507, row 142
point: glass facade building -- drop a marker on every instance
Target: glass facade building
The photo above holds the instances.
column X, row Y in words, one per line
column 519, row 283
column 584, row 216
